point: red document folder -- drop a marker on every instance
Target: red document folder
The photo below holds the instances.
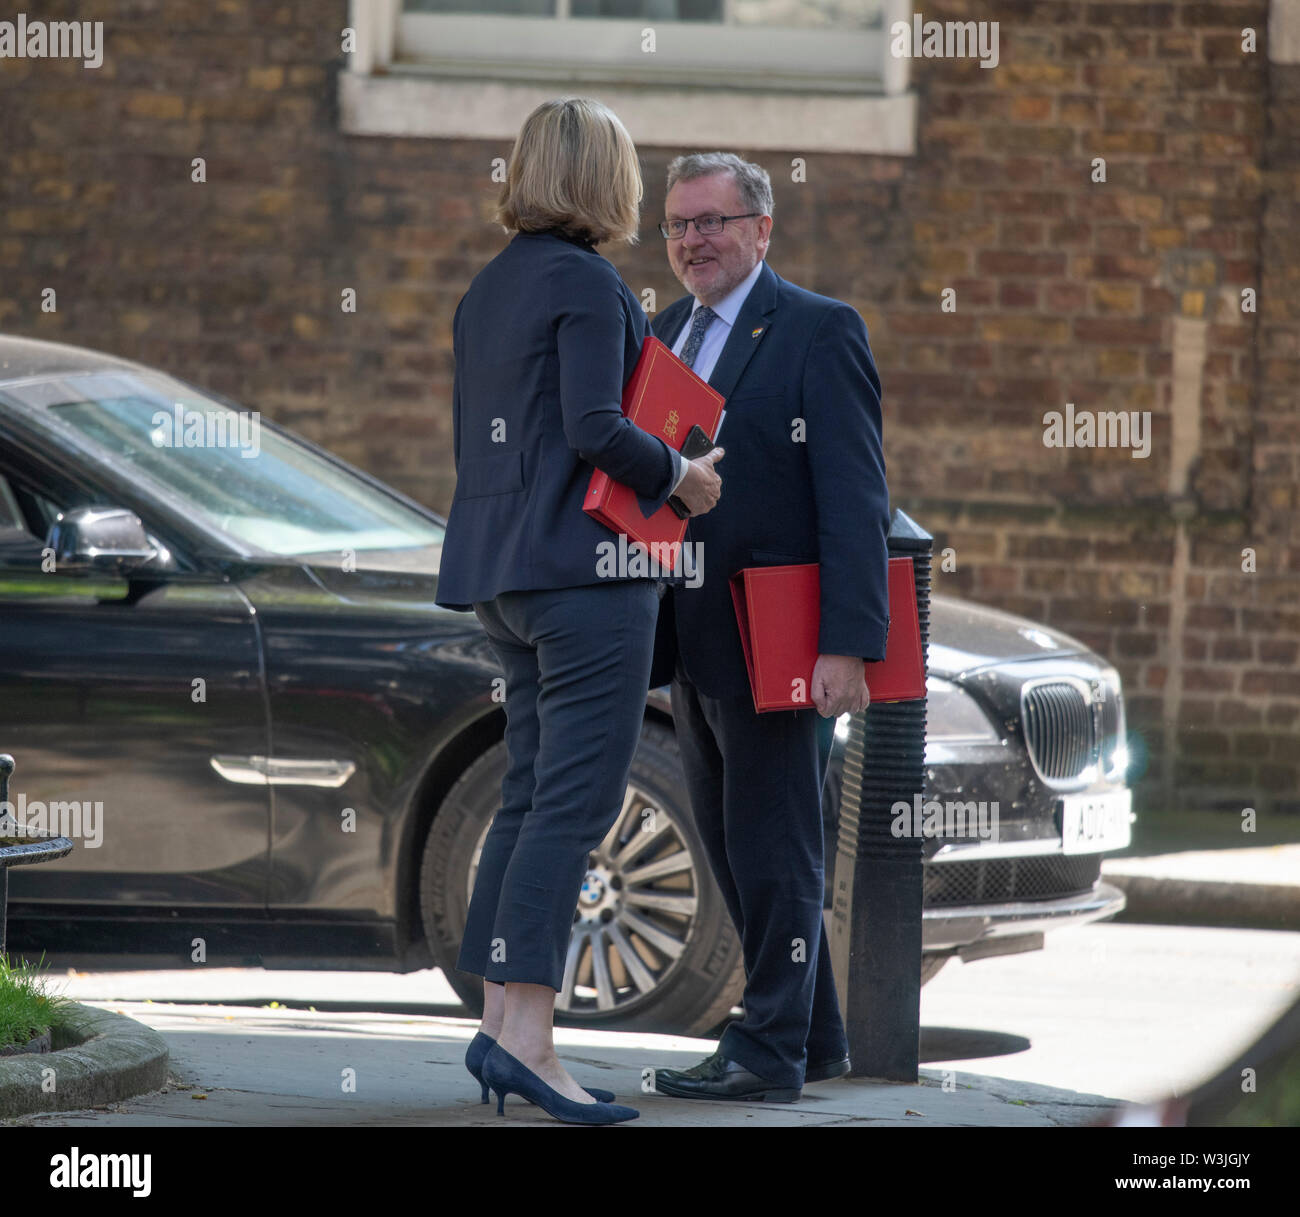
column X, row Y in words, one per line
column 667, row 399
column 778, row 609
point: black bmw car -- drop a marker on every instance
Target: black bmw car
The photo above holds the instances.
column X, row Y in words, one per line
column 224, row 676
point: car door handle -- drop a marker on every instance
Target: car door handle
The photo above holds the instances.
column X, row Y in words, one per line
column 281, row 771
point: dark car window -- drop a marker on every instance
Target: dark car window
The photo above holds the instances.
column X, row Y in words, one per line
column 252, row 483
column 16, row 540
column 25, row 516
column 10, row 517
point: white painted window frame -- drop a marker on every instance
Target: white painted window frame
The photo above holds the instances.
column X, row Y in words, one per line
column 450, row 77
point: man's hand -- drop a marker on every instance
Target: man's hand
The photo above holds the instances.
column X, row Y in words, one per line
column 701, row 488
column 839, row 685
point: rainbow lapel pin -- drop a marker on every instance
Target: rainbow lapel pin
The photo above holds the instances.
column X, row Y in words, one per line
column 757, row 332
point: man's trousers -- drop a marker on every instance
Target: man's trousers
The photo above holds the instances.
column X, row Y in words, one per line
column 755, row 785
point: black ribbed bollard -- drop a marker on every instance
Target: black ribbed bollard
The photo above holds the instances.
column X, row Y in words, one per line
column 876, row 915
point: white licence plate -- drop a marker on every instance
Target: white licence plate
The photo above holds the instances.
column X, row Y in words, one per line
column 1091, row 823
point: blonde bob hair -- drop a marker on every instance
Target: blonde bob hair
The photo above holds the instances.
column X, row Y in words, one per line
column 573, row 167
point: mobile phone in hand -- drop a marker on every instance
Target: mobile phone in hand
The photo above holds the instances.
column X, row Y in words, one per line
column 697, row 444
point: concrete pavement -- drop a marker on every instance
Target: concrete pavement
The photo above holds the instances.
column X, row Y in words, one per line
column 1257, row 887
column 386, row 1049
column 235, row 1065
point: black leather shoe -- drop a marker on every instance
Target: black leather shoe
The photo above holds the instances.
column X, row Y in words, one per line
column 826, row 1071
column 721, row 1078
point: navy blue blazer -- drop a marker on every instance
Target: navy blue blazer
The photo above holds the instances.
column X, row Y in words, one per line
column 545, row 339
column 803, row 480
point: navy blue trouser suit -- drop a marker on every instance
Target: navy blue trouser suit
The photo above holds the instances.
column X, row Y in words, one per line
column 545, row 339
column 577, row 663
column 803, row 481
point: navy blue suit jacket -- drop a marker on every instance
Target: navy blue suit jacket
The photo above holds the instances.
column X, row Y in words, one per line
column 792, row 355
column 545, row 339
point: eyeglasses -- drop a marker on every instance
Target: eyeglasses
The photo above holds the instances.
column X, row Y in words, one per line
column 706, row 226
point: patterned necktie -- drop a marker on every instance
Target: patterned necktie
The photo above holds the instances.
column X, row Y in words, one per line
column 695, row 339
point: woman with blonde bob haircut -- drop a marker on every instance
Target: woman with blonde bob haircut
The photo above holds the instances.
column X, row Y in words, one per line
column 545, row 339
column 573, row 167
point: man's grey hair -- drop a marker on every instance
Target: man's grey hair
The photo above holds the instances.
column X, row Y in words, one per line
column 751, row 180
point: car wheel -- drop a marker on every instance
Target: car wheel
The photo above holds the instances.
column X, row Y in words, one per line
column 652, row 946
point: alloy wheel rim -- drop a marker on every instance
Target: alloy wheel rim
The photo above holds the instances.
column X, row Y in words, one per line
column 635, row 913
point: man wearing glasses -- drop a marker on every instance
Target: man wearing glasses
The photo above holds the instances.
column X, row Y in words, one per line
column 805, row 483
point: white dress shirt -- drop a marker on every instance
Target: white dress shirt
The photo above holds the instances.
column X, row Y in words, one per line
column 715, row 337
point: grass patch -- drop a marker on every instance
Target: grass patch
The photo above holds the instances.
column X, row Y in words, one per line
column 26, row 1009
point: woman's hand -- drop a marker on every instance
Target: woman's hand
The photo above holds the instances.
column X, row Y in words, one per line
column 701, row 488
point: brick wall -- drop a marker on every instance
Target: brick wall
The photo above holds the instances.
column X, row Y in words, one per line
column 1122, row 296
column 1117, row 296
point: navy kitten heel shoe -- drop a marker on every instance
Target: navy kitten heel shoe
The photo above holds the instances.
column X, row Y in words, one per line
column 505, row 1074
column 479, row 1047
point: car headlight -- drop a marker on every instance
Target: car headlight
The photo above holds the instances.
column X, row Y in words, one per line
column 952, row 716
column 1115, row 754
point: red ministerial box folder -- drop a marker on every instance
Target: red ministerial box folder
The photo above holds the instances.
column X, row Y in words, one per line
column 665, row 398
column 778, row 610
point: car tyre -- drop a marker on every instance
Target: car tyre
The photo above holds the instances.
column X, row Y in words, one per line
column 694, row 960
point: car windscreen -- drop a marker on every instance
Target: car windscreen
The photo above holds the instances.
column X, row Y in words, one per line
column 238, row 477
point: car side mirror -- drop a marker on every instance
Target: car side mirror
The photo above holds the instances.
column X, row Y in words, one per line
column 103, row 539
